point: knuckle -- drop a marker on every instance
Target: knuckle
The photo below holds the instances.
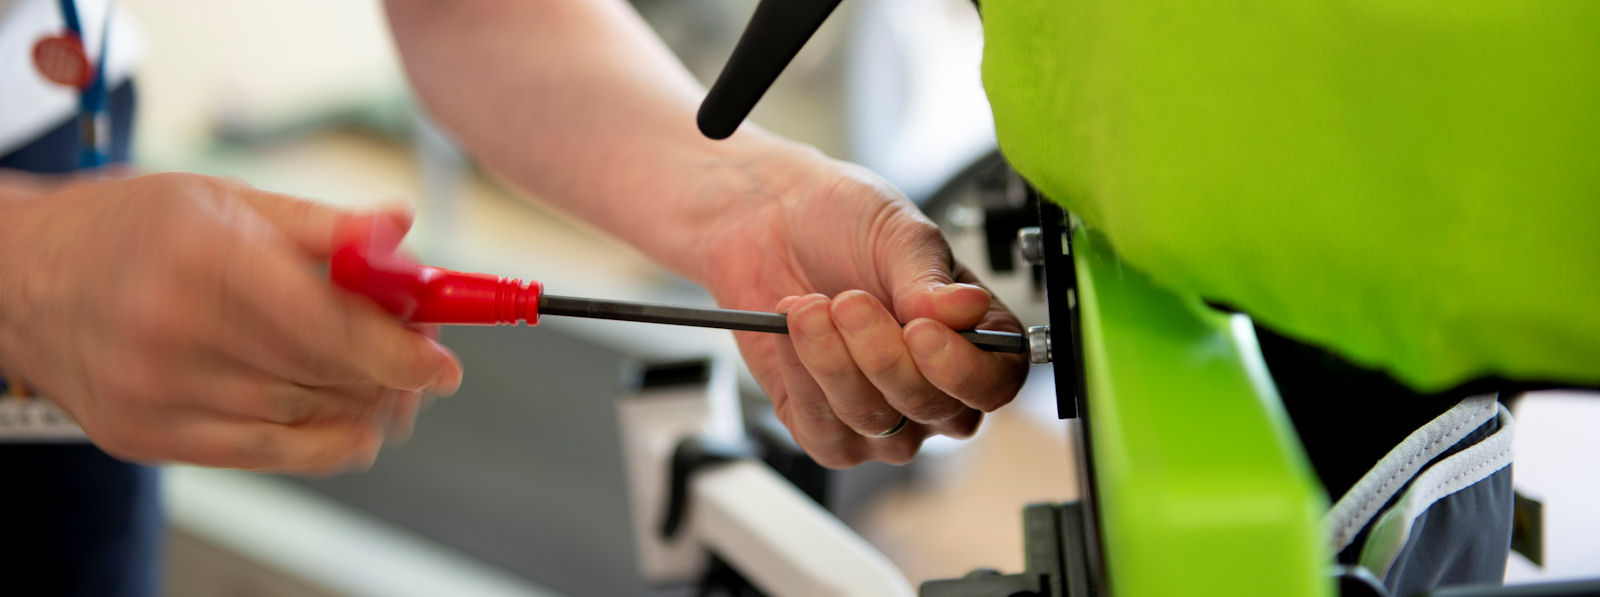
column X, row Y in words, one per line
column 297, row 212
column 293, row 406
column 987, row 404
column 987, row 399
column 341, row 450
column 173, row 183
column 962, row 426
column 899, row 451
column 322, row 369
column 927, row 407
column 785, row 414
column 879, row 364
column 835, row 455
column 372, row 394
column 990, row 387
column 810, row 410
column 415, row 362
column 826, row 367
column 310, row 369
column 201, row 184
column 866, row 416
column 331, row 459
column 334, row 370
column 191, row 191
column 393, row 368
column 836, row 460
column 182, row 179
column 351, row 333
column 257, row 447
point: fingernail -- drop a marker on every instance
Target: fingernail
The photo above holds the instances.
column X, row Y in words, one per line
column 924, row 339
column 445, row 381
column 783, row 305
column 853, row 311
column 401, row 423
column 363, row 463
column 948, row 289
column 399, row 214
column 812, row 319
column 363, row 459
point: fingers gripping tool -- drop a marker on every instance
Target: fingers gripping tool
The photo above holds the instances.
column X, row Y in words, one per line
column 365, row 261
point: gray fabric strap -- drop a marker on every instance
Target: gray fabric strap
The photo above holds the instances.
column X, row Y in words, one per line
column 1462, row 470
column 1357, row 507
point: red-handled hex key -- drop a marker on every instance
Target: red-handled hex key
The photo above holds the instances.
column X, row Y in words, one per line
column 365, row 262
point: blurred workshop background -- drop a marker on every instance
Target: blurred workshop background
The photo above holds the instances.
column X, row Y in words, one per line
column 515, row 486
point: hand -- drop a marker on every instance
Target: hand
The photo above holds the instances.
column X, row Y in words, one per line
column 179, row 317
column 847, row 371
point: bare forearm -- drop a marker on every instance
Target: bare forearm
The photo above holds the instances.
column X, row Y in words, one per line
column 580, row 104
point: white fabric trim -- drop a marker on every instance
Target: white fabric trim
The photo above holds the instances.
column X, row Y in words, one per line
column 1357, row 507
column 29, row 105
column 33, row 420
column 1453, row 474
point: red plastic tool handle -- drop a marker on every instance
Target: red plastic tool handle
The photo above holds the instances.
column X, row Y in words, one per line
column 365, row 262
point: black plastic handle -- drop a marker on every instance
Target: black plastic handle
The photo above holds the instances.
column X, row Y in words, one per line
column 777, row 31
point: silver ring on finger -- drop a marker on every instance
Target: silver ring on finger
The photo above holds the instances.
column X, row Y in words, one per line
column 898, row 425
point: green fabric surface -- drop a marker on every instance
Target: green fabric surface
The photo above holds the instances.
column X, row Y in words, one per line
column 1414, row 184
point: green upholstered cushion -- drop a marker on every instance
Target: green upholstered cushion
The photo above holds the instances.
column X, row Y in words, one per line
column 1414, row 184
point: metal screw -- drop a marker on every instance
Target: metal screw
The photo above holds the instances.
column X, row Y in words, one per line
column 1039, row 350
column 1030, row 241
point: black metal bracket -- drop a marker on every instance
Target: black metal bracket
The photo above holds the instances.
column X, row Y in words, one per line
column 1055, row 556
column 1061, row 286
column 692, row 455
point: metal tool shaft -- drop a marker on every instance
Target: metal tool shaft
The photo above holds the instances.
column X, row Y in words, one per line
column 729, row 319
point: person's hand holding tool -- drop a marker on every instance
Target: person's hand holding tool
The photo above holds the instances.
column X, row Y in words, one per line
column 967, row 369
column 850, row 260
column 585, row 108
column 181, row 317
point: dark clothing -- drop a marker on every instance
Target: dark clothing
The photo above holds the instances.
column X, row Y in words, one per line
column 81, row 522
column 1349, row 419
column 56, row 152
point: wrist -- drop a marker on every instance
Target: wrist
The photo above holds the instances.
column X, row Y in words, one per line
column 18, row 209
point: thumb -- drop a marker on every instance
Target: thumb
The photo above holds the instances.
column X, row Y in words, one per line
column 311, row 225
column 923, row 286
